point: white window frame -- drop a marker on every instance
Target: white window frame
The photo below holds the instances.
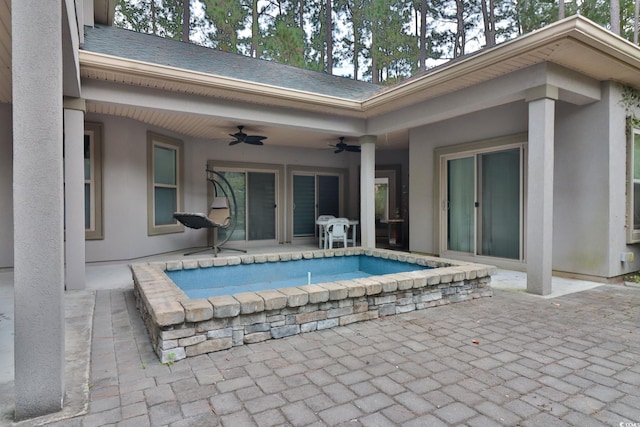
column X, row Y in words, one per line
column 94, row 132
column 633, row 235
column 157, row 140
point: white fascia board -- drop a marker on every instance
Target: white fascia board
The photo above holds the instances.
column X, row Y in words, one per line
column 108, row 63
column 159, row 100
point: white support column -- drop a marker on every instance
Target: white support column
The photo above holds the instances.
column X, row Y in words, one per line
column 38, row 207
column 74, row 193
column 540, row 189
column 367, row 191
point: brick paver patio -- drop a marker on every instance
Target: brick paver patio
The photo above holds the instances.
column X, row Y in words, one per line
column 513, row 360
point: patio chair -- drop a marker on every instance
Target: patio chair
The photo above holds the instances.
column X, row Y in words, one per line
column 219, row 217
column 322, row 235
column 337, row 230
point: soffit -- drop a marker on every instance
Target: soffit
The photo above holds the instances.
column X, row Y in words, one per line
column 218, row 130
column 124, row 71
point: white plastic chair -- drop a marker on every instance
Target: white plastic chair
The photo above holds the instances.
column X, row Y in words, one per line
column 322, row 234
column 337, row 229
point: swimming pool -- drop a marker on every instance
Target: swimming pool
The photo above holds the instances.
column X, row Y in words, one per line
column 231, row 279
column 180, row 326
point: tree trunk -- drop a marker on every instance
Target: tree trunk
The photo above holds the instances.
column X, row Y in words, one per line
column 255, row 30
column 615, row 16
column 301, row 15
column 489, row 20
column 636, row 17
column 329, row 36
column 374, row 60
column 154, row 26
column 459, row 42
column 186, row 18
column 560, row 9
column 422, row 60
column 356, row 43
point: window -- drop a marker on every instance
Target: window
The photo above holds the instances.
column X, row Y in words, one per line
column 633, row 190
column 165, row 184
column 93, row 181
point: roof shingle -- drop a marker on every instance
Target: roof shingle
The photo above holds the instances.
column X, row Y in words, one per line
column 161, row 51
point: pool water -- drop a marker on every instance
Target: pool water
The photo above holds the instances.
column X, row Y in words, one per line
column 228, row 280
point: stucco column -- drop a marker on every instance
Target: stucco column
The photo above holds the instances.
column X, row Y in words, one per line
column 540, row 189
column 74, row 193
column 367, row 191
column 38, row 207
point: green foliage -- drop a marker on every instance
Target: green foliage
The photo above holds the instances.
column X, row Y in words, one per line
column 631, row 102
column 160, row 17
column 379, row 38
column 228, row 18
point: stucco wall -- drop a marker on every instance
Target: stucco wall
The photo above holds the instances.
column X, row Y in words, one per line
column 589, row 180
column 581, row 189
column 6, row 187
column 125, row 185
column 496, row 122
column 590, row 189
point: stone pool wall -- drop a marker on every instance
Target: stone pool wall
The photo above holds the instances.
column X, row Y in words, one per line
column 181, row 327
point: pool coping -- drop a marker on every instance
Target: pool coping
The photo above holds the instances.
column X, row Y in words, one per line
column 172, row 318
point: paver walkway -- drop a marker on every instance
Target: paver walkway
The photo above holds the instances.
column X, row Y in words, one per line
column 513, row 359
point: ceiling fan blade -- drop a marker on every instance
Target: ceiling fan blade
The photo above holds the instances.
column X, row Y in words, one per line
column 237, row 141
column 254, row 139
column 238, row 135
column 353, row 148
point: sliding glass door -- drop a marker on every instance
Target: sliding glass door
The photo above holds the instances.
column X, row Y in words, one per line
column 484, row 203
column 313, row 195
column 255, row 194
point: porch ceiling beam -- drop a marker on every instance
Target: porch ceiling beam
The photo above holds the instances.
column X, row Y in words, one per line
column 153, row 99
column 573, row 88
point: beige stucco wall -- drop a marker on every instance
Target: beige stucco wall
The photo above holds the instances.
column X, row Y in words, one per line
column 589, row 180
column 125, row 184
column 492, row 123
column 6, row 187
column 590, row 189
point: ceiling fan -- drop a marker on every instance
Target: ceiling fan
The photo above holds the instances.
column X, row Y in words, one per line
column 240, row 136
column 343, row 146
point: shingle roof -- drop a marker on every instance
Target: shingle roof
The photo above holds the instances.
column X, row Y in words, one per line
column 157, row 50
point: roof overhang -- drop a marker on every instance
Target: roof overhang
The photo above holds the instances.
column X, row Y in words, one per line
column 574, row 43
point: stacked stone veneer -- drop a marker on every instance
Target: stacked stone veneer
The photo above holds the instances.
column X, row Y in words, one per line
column 181, row 327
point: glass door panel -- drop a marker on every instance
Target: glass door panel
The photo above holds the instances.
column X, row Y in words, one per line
column 499, row 188
column 261, row 212
column 238, row 181
column 304, row 205
column 328, row 195
column 460, row 204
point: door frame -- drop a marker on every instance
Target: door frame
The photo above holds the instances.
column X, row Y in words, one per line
column 278, row 170
column 343, row 177
column 441, row 155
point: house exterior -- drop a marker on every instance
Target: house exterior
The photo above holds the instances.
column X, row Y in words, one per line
column 521, row 156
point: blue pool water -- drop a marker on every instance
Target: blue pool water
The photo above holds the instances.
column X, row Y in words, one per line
column 228, row 280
